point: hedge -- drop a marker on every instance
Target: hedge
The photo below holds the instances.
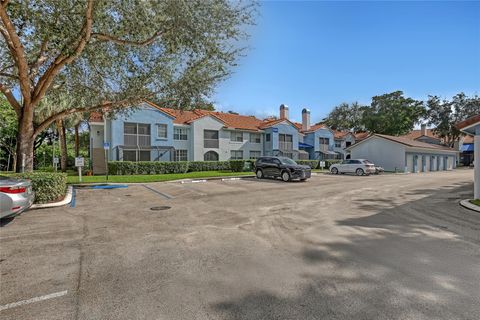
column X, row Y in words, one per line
column 158, row 167
column 312, row 163
column 48, row 186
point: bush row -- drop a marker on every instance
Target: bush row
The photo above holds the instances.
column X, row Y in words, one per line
column 48, row 186
column 315, row 164
column 157, row 167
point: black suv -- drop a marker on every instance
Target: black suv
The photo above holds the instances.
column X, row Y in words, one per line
column 282, row 167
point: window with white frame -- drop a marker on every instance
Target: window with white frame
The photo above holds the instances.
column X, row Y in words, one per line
column 136, row 155
column 338, row 143
column 236, row 136
column 180, row 133
column 255, row 154
column 181, row 155
column 236, row 154
column 161, row 131
column 255, row 137
column 136, row 134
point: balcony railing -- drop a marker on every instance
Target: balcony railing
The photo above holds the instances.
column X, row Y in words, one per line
column 210, row 143
column 136, row 139
column 285, row 145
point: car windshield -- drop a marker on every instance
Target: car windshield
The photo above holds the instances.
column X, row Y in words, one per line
column 287, row 161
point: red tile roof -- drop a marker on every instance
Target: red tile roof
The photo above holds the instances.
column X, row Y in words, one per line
column 359, row 136
column 468, row 139
column 414, row 143
column 415, row 134
column 96, row 117
column 468, row 122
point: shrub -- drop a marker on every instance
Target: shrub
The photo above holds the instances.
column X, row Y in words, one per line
column 312, row 163
column 158, row 167
column 48, row 186
column 328, row 163
column 237, row 165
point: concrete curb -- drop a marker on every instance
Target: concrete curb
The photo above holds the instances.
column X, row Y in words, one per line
column 65, row 201
column 211, row 178
column 467, row 204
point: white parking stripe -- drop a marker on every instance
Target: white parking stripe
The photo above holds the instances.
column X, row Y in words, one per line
column 33, row 300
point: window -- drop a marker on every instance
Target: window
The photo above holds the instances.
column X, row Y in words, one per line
column 338, row 143
column 180, row 133
column 181, row 155
column 267, row 137
column 255, row 154
column 324, row 140
column 136, row 155
column 285, row 141
column 129, row 155
column 236, row 136
column 161, row 131
column 348, row 143
column 210, row 139
column 236, row 154
column 136, row 134
column 210, row 156
column 255, row 137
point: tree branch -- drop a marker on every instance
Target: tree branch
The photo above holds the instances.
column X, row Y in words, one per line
column 11, row 99
column 18, row 53
column 61, row 60
column 41, row 58
column 110, row 38
column 103, row 106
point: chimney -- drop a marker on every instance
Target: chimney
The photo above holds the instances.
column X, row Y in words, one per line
column 283, row 111
column 423, row 130
column 305, row 119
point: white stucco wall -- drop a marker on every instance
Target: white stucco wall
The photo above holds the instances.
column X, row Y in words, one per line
column 381, row 152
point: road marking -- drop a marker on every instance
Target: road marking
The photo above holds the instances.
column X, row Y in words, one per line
column 33, row 300
column 36, row 233
column 163, row 194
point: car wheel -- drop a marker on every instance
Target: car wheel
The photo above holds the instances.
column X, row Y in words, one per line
column 285, row 176
column 303, row 180
column 334, row 171
column 359, row 172
column 259, row 174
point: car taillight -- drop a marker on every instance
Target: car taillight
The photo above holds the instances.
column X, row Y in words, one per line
column 13, row 189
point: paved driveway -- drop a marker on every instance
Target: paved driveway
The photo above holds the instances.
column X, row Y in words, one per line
column 335, row 247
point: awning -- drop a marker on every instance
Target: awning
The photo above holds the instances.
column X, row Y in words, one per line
column 304, row 145
column 329, row 152
column 467, row 147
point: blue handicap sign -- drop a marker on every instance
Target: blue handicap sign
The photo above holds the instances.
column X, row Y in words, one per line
column 106, row 145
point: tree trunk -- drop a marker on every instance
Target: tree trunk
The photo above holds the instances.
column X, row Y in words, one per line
column 25, row 141
column 77, row 142
column 63, row 145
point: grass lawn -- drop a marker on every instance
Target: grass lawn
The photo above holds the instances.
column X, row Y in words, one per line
column 155, row 177
column 476, row 202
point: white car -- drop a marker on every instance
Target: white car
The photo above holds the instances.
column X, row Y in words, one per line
column 357, row 166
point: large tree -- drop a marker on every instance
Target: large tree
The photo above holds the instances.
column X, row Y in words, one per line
column 110, row 54
column 392, row 114
column 445, row 114
column 346, row 117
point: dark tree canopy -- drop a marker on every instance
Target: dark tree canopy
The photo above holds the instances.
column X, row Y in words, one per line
column 346, row 117
column 445, row 114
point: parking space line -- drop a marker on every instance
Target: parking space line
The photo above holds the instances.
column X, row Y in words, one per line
column 163, row 194
column 33, row 300
column 35, row 233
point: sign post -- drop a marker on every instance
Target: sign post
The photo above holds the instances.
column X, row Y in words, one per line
column 55, row 163
column 106, row 147
column 322, row 164
column 79, row 163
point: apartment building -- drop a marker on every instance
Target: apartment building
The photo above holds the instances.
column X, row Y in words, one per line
column 152, row 133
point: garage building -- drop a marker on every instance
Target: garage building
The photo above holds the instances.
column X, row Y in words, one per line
column 402, row 154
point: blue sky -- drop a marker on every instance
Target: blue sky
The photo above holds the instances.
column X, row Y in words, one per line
column 319, row 54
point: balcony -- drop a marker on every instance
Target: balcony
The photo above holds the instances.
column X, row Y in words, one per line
column 285, row 146
column 210, row 143
column 136, row 139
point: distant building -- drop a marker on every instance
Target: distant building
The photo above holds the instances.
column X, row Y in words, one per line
column 401, row 154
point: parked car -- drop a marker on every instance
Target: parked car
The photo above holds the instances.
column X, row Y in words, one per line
column 357, row 166
column 379, row 170
column 282, row 167
column 16, row 196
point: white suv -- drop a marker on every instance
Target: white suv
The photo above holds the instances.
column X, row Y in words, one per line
column 357, row 166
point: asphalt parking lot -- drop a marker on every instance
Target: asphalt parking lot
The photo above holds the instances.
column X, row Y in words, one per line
column 335, row 247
